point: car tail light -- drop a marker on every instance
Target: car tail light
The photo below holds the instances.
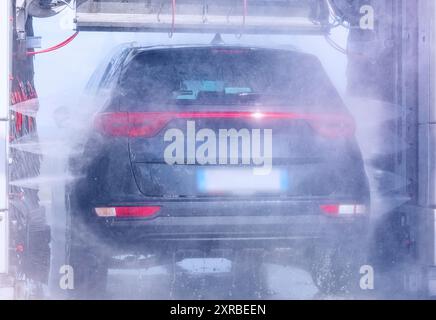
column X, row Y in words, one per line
column 127, row 212
column 148, row 124
column 127, row 124
column 112, row 124
column 343, row 210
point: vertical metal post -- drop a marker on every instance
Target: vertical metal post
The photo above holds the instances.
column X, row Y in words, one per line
column 427, row 138
column 5, row 71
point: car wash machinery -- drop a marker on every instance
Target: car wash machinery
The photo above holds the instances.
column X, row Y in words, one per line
column 391, row 60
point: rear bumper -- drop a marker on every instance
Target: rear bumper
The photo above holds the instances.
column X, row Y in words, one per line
column 246, row 224
column 249, row 231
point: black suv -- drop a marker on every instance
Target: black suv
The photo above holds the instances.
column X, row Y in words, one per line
column 203, row 147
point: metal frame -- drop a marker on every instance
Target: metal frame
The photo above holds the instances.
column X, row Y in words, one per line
column 186, row 23
column 427, row 104
column 204, row 16
column 427, row 141
column 5, row 71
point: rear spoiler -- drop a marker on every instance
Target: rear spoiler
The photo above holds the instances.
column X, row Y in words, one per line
column 205, row 16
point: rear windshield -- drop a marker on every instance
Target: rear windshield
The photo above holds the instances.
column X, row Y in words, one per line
column 206, row 77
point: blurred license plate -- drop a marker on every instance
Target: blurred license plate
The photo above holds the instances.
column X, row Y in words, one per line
column 241, row 181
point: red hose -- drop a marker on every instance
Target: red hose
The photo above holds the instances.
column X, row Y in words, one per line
column 56, row 47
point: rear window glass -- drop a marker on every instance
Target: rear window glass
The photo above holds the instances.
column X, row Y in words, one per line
column 200, row 77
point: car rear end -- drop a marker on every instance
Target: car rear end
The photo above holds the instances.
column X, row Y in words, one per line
column 222, row 147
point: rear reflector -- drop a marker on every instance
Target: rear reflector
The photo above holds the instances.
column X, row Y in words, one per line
column 343, row 210
column 127, row 212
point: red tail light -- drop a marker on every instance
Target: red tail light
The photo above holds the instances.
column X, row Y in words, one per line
column 148, row 124
column 131, row 124
column 343, row 210
column 113, row 124
column 127, row 212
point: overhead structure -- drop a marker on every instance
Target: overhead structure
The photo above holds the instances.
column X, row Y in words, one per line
column 204, row 16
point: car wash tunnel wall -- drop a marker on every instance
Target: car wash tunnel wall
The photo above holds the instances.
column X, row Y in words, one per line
column 391, row 62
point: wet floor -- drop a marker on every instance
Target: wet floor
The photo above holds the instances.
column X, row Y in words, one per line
column 194, row 282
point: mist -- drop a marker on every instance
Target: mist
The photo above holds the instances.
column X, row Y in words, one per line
column 65, row 118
